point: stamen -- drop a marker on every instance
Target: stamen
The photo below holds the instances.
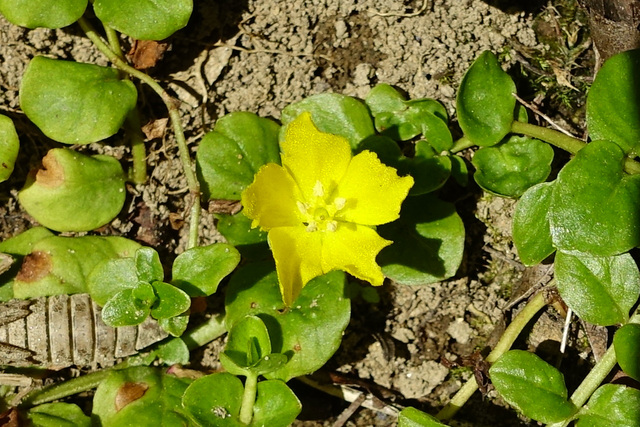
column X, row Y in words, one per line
column 313, row 226
column 302, row 207
column 332, row 226
column 318, row 189
column 339, row 202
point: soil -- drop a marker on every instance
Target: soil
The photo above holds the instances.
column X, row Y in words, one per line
column 260, row 56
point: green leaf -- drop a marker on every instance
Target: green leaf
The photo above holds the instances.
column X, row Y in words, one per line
column 148, row 265
column 485, row 101
column 309, row 332
column 627, row 344
column 75, row 103
column 276, row 405
column 230, row 155
column 248, row 342
column 124, row 309
column 411, row 417
column 198, row 271
column 250, row 242
column 61, row 265
column 428, row 242
column 22, row 244
column 216, row 409
column 601, row 290
column 140, row 396
column 73, row 191
column 171, row 301
column 612, row 405
column 459, row 171
column 514, row 165
column 595, row 206
column 145, row 19
column 175, row 325
column 9, row 146
column 110, row 277
column 428, row 168
column 333, row 113
column 58, row 415
column 531, row 233
column 532, row 386
column 173, row 352
column 613, row 102
column 43, row 13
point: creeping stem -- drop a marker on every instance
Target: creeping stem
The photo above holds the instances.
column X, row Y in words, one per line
column 505, row 343
column 174, row 115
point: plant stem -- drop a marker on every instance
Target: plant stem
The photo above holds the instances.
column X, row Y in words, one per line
column 174, row 115
column 204, row 333
column 462, row 144
column 506, row 341
column 248, row 398
column 138, row 150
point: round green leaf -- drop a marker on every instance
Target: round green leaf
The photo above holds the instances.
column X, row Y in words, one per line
column 175, row 325
column 214, row 400
column 627, row 344
column 172, row 352
column 485, row 101
column 276, row 405
column 595, row 206
column 230, row 155
column 309, row 332
column 613, row 102
column 124, row 309
column 148, row 266
column 170, row 302
column 9, row 145
column 140, row 396
column 532, row 386
column 612, row 405
column 198, row 271
column 74, row 192
column 75, row 103
column 513, row 166
column 601, row 290
column 144, row 19
column 110, row 277
column 411, row 417
column 248, row 341
column 58, row 415
column 250, row 242
column 428, row 242
column 531, row 233
column 43, row 13
column 333, row 113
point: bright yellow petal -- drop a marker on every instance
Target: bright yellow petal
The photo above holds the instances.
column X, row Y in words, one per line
column 353, row 248
column 312, row 156
column 270, row 201
column 373, row 192
column 297, row 253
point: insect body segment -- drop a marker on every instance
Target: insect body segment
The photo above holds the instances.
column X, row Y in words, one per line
column 64, row 330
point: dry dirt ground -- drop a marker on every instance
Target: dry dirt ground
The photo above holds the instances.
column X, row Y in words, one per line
column 259, row 56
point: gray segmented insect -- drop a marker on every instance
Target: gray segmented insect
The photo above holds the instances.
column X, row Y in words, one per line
column 65, row 330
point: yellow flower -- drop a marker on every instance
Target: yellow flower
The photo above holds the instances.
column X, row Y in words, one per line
column 320, row 205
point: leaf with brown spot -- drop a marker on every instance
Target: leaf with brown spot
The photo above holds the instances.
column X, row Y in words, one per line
column 35, row 266
column 129, row 392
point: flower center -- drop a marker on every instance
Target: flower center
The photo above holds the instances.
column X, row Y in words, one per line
column 320, row 215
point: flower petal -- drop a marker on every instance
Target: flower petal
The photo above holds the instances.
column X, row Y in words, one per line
column 271, row 199
column 297, row 253
column 353, row 248
column 373, row 191
column 312, row 156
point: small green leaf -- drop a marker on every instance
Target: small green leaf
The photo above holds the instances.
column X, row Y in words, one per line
column 144, row 20
column 124, row 309
column 75, row 103
column 248, row 342
column 9, row 146
column 175, row 325
column 485, row 101
column 250, row 242
column 58, row 415
column 170, row 302
column 595, row 206
column 627, row 344
column 611, row 405
column 411, row 417
column 73, row 191
column 531, row 233
column 217, row 409
column 333, row 113
column 22, row 244
column 110, row 277
column 532, row 386
column 294, row 331
column 198, row 271
column 276, row 405
column 613, row 102
column 459, row 171
column 141, row 396
column 428, row 242
column 148, row 265
column 172, row 352
column 601, row 290
column 230, row 155
column 43, row 13
column 514, row 165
